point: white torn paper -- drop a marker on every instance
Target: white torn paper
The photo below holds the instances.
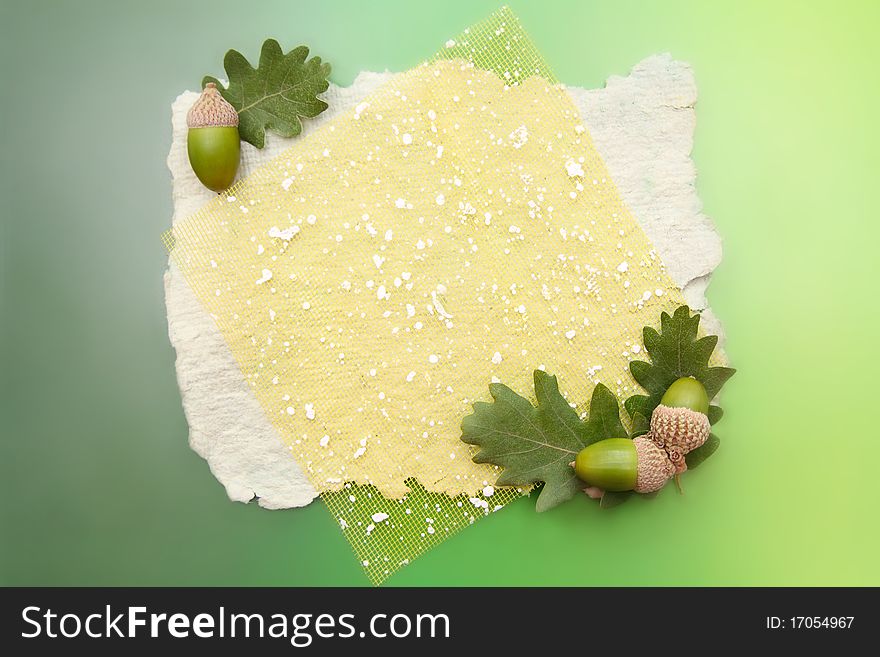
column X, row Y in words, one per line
column 643, row 126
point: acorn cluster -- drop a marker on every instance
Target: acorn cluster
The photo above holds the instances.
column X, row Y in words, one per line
column 678, row 425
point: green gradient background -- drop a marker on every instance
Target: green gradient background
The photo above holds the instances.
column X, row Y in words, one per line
column 98, row 484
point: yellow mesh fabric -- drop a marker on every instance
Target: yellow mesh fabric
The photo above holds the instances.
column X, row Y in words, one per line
column 457, row 228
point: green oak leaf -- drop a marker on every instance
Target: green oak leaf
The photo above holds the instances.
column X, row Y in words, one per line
column 715, row 414
column 536, row 444
column 701, row 453
column 277, row 94
column 611, row 499
column 676, row 352
column 640, row 425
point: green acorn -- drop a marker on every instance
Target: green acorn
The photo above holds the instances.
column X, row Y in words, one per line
column 680, row 424
column 212, row 143
column 686, row 392
column 619, row 464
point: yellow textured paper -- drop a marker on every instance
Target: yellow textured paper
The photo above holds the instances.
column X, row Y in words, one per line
column 374, row 280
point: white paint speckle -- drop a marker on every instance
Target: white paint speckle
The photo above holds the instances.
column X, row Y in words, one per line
column 519, row 137
column 410, row 377
column 570, row 334
column 285, row 235
column 267, row 276
column 623, row 266
column 438, row 306
column 497, row 358
column 310, row 411
column 406, row 138
column 479, row 503
column 488, row 491
column 574, row 169
column 379, row 517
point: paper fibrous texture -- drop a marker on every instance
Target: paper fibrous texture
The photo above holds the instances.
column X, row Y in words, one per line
column 457, row 226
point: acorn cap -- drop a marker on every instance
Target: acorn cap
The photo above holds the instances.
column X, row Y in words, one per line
column 211, row 110
column 655, row 468
column 679, row 428
column 675, row 457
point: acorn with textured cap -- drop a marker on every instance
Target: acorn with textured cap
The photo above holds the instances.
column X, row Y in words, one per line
column 212, row 142
column 680, row 424
column 619, row 464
